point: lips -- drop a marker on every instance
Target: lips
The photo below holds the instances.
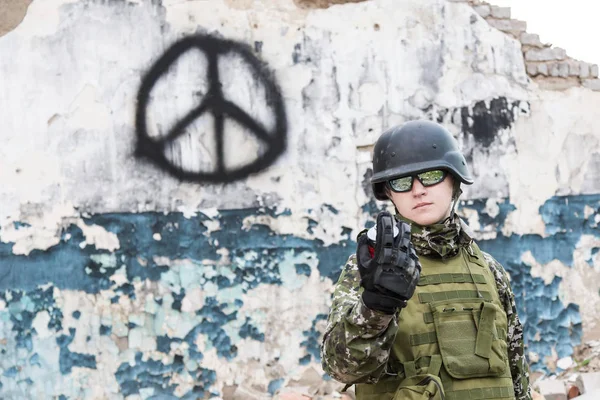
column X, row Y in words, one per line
column 421, row 205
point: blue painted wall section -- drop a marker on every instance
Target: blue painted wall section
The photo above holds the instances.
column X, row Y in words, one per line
column 155, row 374
column 68, row 266
column 257, row 257
column 548, row 323
column 67, row 359
column 312, row 341
column 22, row 309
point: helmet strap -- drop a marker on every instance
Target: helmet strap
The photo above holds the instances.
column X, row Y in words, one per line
column 456, row 192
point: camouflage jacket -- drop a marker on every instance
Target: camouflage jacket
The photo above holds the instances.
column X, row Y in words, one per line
column 357, row 341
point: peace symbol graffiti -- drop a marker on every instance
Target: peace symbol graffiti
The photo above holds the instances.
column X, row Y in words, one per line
column 214, row 102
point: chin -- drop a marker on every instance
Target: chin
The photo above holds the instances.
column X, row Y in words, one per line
column 424, row 220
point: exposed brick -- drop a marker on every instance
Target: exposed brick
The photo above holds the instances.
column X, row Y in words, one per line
column 500, row 12
column 518, row 26
column 573, row 68
column 532, row 69
column 500, row 24
column 530, row 39
column 508, row 25
column 556, row 83
column 547, row 54
column 563, row 69
column 483, row 10
column 593, row 84
column 559, row 69
column 543, row 69
column 584, row 70
column 594, row 71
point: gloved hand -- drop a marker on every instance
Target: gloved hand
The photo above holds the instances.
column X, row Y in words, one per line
column 390, row 277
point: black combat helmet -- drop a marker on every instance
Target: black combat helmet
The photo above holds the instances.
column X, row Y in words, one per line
column 415, row 147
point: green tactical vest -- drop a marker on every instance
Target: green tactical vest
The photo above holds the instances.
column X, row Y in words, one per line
column 451, row 340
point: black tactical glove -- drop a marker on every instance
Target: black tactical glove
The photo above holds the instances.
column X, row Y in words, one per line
column 390, row 277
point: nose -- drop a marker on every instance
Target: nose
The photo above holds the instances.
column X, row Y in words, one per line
column 418, row 189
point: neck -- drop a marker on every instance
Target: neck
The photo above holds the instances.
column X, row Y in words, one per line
column 441, row 240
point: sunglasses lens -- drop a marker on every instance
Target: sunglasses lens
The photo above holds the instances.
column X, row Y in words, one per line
column 430, row 178
column 403, row 184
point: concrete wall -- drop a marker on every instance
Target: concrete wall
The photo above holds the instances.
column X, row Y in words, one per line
column 181, row 182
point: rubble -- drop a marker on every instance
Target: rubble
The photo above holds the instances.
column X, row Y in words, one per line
column 311, row 385
column 576, row 377
column 552, row 389
column 586, row 358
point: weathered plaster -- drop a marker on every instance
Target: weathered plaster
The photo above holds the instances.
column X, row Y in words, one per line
column 118, row 280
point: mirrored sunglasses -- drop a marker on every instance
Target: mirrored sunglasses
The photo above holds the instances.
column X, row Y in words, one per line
column 427, row 178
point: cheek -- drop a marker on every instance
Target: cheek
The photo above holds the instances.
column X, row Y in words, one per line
column 448, row 190
column 443, row 195
column 402, row 202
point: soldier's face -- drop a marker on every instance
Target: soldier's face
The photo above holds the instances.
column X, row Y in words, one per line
column 425, row 205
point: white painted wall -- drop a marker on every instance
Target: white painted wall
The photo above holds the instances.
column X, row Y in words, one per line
column 71, row 71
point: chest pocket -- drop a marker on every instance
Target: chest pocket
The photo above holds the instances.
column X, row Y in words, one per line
column 467, row 338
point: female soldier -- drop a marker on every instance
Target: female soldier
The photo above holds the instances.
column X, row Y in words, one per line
column 442, row 325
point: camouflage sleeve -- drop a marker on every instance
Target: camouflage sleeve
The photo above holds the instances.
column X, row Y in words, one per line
column 357, row 341
column 518, row 364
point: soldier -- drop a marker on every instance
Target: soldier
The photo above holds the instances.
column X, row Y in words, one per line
column 420, row 312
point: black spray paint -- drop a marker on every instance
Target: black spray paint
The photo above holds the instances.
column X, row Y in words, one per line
column 484, row 122
column 214, row 102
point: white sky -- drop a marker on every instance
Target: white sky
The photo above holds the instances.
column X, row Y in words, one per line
column 573, row 25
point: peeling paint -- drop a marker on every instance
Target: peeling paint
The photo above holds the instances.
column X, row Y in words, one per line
column 208, row 301
column 117, row 275
column 551, row 309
